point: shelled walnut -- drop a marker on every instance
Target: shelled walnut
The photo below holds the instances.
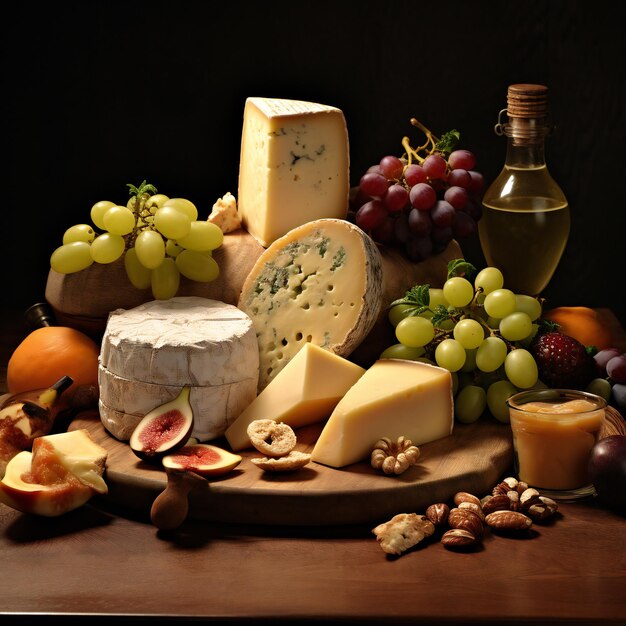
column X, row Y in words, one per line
column 394, row 457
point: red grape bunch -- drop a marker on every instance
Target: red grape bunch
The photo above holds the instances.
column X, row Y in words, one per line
column 424, row 199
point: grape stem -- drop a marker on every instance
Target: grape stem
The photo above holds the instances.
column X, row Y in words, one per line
column 413, row 153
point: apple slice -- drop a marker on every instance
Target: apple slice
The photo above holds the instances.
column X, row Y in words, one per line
column 61, row 474
column 203, row 459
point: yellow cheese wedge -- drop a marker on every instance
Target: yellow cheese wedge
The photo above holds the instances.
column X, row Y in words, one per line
column 393, row 398
column 305, row 391
column 294, row 166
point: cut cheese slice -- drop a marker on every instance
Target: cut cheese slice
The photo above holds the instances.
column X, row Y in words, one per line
column 306, row 391
column 393, row 398
column 294, row 166
column 321, row 283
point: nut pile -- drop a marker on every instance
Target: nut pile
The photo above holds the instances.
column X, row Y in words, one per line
column 512, row 507
column 277, row 440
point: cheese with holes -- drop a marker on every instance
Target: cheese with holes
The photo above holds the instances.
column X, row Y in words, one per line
column 294, row 166
column 320, row 283
column 305, row 391
column 393, row 398
column 150, row 352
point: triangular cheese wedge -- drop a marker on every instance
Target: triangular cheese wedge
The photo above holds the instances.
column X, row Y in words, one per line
column 305, row 391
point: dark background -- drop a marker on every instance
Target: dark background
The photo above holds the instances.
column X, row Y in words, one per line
column 100, row 94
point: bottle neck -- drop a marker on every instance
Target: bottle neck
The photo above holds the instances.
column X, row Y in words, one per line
column 525, row 142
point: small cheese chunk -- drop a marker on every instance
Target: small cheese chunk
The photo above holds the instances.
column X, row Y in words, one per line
column 320, row 283
column 224, row 214
column 294, row 166
column 306, row 391
column 393, row 398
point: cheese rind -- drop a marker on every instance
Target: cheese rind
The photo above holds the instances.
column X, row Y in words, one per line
column 150, row 352
column 393, row 398
column 321, row 283
column 294, row 166
column 305, row 391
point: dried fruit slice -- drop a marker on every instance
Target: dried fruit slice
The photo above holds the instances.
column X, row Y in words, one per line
column 164, row 429
column 202, row 459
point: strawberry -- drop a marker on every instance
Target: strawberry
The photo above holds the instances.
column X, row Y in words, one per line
column 563, row 361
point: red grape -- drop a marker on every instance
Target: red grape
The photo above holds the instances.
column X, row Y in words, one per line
column 616, row 369
column 478, row 182
column 422, row 197
column 373, row 169
column 395, row 198
column 401, row 228
column 414, row 174
column 391, row 167
column 442, row 235
column 435, row 166
column 604, row 356
column 419, row 248
column 443, row 214
column 419, row 222
column 456, row 196
column 462, row 159
column 474, row 209
column 460, row 178
column 371, row 215
column 374, row 184
column 464, row 226
column 385, row 232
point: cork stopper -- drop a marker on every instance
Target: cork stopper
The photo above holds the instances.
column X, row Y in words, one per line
column 527, row 101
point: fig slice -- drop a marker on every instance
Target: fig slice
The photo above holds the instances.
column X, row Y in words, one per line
column 164, row 429
column 203, row 459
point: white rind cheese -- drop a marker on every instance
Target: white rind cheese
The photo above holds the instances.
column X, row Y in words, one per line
column 294, row 166
column 393, row 398
column 320, row 283
column 150, row 352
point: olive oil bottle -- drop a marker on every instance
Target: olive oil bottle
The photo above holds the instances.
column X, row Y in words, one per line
column 526, row 219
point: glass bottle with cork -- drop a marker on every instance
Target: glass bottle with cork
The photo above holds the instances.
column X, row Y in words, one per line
column 526, row 219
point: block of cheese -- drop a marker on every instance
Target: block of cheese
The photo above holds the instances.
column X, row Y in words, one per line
column 320, row 283
column 149, row 352
column 305, row 391
column 294, row 166
column 393, row 398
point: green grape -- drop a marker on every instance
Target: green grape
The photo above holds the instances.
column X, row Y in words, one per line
column 500, row 303
column 458, row 291
column 493, row 322
column 520, row 368
column 155, row 202
column 202, row 236
column 172, row 248
column 489, row 279
column 165, row 280
column 119, row 220
column 516, row 326
column 529, row 305
column 184, row 206
column 71, row 257
column 150, row 249
column 400, row 351
column 446, row 325
column 450, row 354
column 398, row 313
column 600, row 387
column 469, row 404
column 172, row 223
column 79, row 232
column 470, row 361
column 197, row 266
column 469, row 333
column 97, row 212
column 139, row 276
column 436, row 298
column 107, row 248
column 497, row 395
column 491, row 354
column 415, row 331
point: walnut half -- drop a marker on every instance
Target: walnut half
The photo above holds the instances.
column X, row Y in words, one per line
column 394, row 457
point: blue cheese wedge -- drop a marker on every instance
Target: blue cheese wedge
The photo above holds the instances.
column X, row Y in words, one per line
column 320, row 283
column 294, row 166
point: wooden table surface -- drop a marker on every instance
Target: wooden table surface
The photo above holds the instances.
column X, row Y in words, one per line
column 110, row 563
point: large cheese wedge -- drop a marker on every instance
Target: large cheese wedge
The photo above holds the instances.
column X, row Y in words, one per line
column 306, row 391
column 393, row 398
column 294, row 166
column 321, row 283
column 151, row 351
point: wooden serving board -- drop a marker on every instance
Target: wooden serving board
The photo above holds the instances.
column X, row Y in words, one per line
column 474, row 458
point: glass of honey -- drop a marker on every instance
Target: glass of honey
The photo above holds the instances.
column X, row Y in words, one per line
column 554, row 431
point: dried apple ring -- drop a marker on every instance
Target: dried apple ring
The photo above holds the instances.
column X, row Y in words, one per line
column 272, row 438
column 293, row 461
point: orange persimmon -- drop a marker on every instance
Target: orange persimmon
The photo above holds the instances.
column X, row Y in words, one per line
column 583, row 324
column 49, row 353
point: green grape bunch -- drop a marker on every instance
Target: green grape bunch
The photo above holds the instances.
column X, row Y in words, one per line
column 479, row 331
column 159, row 237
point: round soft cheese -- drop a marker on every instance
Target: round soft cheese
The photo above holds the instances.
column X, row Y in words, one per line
column 151, row 351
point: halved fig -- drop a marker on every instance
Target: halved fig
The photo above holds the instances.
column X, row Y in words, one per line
column 203, row 459
column 164, row 429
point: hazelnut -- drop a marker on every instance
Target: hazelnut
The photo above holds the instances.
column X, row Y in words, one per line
column 438, row 513
column 458, row 538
